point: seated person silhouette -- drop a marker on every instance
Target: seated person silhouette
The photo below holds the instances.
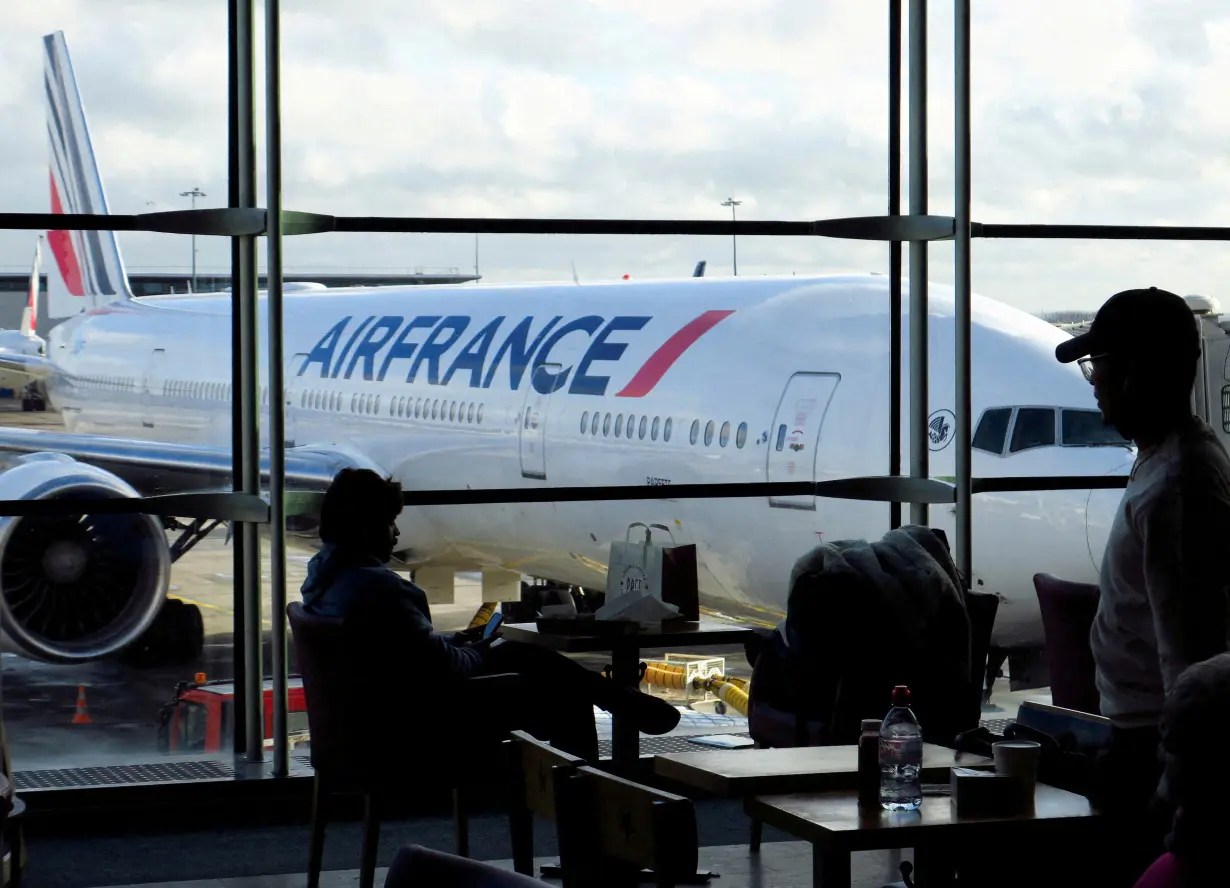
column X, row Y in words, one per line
column 348, row 579
column 1194, row 786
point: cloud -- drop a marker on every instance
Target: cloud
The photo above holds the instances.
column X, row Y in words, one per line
column 1103, row 111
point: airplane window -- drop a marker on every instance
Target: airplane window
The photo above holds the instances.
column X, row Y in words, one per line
column 1085, row 428
column 619, row 424
column 584, row 421
column 640, row 432
column 695, row 433
column 653, row 431
column 396, row 407
column 479, row 417
column 593, row 425
column 418, row 405
column 709, row 433
column 354, row 403
column 303, row 399
column 435, row 409
column 606, row 425
column 452, row 411
column 376, row 404
column 724, row 435
column 741, row 435
column 1034, row 427
column 631, row 425
column 666, row 430
column 470, row 413
column 781, row 436
column 992, row 430
column 461, row 412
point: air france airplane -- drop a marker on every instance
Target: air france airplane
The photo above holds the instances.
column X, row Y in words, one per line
column 24, row 340
column 698, row 380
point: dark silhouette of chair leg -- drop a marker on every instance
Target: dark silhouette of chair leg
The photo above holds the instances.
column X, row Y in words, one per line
column 757, row 830
column 461, row 822
column 371, row 839
column 320, row 817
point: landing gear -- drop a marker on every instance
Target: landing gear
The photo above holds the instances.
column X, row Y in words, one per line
column 176, row 637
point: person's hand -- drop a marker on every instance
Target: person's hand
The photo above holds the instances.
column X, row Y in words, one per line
column 473, row 633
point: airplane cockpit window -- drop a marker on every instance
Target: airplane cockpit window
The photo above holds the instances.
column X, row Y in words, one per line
column 1085, row 428
column 1034, row 427
column 992, row 430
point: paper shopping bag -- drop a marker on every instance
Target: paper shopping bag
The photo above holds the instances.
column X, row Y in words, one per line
column 679, row 582
column 634, row 568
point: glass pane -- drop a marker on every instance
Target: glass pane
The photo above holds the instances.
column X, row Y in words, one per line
column 1035, row 427
column 1086, row 428
column 992, row 430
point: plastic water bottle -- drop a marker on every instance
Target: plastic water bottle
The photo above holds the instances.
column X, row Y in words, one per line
column 901, row 749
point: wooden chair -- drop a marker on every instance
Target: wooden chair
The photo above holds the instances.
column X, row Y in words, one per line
column 611, row 829
column 352, row 705
column 534, row 767
column 1068, row 610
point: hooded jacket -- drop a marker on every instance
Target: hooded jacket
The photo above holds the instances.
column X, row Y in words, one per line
column 344, row 583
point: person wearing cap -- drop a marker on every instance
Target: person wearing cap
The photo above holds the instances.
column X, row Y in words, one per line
column 1164, row 578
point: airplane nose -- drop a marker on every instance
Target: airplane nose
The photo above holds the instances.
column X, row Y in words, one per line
column 1100, row 513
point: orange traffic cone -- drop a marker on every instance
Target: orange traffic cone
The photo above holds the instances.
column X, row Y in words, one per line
column 82, row 717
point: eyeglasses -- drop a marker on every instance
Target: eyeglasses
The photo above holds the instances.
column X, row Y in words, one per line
column 1086, row 365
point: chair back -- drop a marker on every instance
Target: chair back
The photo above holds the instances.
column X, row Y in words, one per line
column 610, row 828
column 534, row 768
column 1068, row 610
column 416, row 866
column 335, row 724
column 982, row 608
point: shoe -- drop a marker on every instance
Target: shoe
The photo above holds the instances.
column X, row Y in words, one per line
column 652, row 715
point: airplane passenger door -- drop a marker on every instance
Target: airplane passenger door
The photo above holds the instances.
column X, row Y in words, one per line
column 151, row 385
column 794, row 441
column 292, row 389
column 533, row 426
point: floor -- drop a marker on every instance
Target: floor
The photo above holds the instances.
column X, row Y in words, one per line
column 779, row 864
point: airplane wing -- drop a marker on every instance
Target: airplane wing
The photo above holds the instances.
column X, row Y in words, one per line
column 154, row 468
column 34, row 366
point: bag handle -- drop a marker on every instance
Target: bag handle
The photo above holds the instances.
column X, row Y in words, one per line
column 648, row 532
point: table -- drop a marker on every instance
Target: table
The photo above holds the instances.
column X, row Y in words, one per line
column 737, row 773
column 625, row 660
column 835, row 825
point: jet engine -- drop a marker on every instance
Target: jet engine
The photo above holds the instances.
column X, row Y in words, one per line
column 75, row 588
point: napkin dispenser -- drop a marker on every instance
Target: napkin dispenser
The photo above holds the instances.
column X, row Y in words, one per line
column 985, row 793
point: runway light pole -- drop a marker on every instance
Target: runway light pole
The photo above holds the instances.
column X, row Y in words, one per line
column 734, row 246
column 194, row 194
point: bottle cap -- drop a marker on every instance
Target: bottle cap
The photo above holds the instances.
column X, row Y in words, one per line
column 870, row 724
column 901, row 696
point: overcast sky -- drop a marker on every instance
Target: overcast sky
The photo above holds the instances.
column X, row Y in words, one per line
column 1084, row 111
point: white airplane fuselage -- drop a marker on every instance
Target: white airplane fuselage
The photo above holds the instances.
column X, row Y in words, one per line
column 370, row 370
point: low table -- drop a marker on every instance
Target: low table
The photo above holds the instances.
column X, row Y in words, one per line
column 835, row 825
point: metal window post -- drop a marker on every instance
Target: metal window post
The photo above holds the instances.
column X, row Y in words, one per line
column 962, row 286
column 277, row 399
column 894, row 250
column 245, row 329
column 240, row 711
column 919, row 453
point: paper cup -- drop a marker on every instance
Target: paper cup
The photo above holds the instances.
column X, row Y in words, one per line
column 1018, row 758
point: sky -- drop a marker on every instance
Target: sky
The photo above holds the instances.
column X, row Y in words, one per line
column 1097, row 111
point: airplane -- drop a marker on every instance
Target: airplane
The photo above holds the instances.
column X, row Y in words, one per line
column 658, row 383
column 25, row 341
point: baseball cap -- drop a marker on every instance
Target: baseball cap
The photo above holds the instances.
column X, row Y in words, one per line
column 1149, row 323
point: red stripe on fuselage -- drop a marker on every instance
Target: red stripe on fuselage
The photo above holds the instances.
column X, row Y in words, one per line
column 62, row 248
column 669, row 352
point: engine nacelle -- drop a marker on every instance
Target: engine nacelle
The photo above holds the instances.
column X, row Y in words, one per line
column 75, row 588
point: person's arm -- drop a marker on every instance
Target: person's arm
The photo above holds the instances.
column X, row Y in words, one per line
column 435, row 651
column 1186, row 576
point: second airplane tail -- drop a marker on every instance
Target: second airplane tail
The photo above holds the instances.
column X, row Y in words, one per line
column 85, row 271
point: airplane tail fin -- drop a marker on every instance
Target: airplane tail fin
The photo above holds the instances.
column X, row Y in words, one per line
column 86, row 270
column 29, row 315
